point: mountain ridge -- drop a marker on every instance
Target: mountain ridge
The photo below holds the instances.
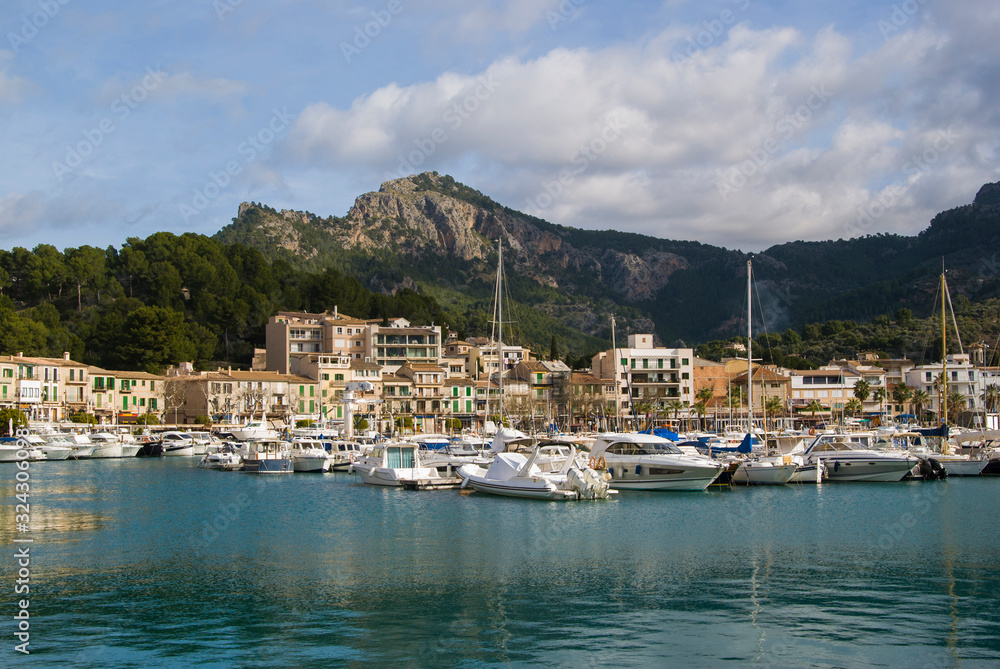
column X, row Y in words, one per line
column 431, row 232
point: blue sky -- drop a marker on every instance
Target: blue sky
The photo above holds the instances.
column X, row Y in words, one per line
column 740, row 123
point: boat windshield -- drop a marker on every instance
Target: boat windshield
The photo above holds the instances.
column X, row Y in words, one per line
column 632, row 448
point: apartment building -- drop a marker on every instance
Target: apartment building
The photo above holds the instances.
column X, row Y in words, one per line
column 647, row 373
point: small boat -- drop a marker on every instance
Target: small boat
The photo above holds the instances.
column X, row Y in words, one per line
column 225, row 459
column 847, row 460
column 106, row 445
column 639, row 461
column 81, row 446
column 257, row 429
column 52, row 451
column 266, row 456
column 309, row 455
column 343, row 453
column 13, row 449
column 397, row 464
column 177, row 443
column 517, row 475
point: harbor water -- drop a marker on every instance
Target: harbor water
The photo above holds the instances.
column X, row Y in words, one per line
column 156, row 563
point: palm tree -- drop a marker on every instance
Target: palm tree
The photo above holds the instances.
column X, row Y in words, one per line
column 862, row 390
column 675, row 406
column 703, row 396
column 813, row 407
column 643, row 409
column 919, row 398
column 991, row 397
column 773, row 405
column 853, row 406
column 901, row 394
column 879, row 395
column 956, row 405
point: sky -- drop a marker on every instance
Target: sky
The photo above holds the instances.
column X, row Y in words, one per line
column 738, row 123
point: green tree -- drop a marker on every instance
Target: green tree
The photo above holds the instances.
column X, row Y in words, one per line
column 853, row 406
column 901, row 394
column 862, row 390
column 553, row 349
column 9, row 417
column 85, row 265
column 920, row 398
column 880, row 395
column 991, row 397
column 813, row 407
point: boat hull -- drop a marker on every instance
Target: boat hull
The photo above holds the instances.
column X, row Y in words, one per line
column 751, row 473
column 689, row 479
column 56, row 453
column 178, row 450
column 527, row 492
column 876, row 470
column 268, row 466
column 309, row 463
column 107, row 451
column 964, row 467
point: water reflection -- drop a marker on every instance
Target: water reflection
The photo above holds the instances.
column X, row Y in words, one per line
column 319, row 570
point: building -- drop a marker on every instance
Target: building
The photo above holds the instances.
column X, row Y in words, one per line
column 658, row 377
column 830, row 386
column 964, row 379
column 293, row 335
column 548, row 388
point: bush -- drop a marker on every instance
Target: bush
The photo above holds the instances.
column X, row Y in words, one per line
column 147, row 419
column 202, row 420
column 12, row 417
column 83, row 417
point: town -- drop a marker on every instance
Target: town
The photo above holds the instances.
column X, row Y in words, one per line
column 424, row 380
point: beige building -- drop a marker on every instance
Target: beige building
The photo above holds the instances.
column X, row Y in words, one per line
column 655, row 375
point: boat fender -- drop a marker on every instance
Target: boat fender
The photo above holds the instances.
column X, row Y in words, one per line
column 638, row 469
column 836, row 466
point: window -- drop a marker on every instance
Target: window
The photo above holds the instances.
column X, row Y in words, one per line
column 338, row 377
column 312, row 391
column 684, row 376
column 326, row 377
column 152, row 386
column 302, row 390
column 684, row 361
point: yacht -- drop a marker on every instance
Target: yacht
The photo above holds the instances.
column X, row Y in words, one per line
column 266, row 456
column 13, row 449
column 517, row 475
column 81, row 448
column 648, row 462
column 177, row 443
column 850, row 460
column 257, row 429
column 106, row 445
column 53, row 451
column 226, row 458
column 343, row 453
column 309, row 455
column 397, row 464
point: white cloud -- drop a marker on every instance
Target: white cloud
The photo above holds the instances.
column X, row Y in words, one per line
column 830, row 131
column 12, row 88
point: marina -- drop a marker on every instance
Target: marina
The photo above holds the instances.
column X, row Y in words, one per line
column 156, row 563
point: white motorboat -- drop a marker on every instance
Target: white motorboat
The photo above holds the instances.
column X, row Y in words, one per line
column 106, row 445
column 397, row 464
column 850, row 461
column 765, row 471
column 515, row 475
column 309, row 455
column 266, row 456
column 13, row 449
column 343, row 453
column 204, row 442
column 53, row 451
column 648, row 462
column 257, row 429
column 130, row 446
column 225, row 459
column 81, row 447
column 177, row 443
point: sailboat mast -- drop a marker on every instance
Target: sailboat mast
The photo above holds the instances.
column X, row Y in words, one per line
column 614, row 351
column 500, row 327
column 944, row 355
column 749, row 355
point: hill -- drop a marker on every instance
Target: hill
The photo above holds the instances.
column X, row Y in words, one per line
column 430, row 233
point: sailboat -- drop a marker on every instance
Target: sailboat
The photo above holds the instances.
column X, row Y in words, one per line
column 953, row 463
column 757, row 470
column 517, row 475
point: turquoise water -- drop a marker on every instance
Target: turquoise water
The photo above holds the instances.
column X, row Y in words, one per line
column 155, row 563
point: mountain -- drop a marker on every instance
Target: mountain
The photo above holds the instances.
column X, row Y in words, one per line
column 431, row 233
